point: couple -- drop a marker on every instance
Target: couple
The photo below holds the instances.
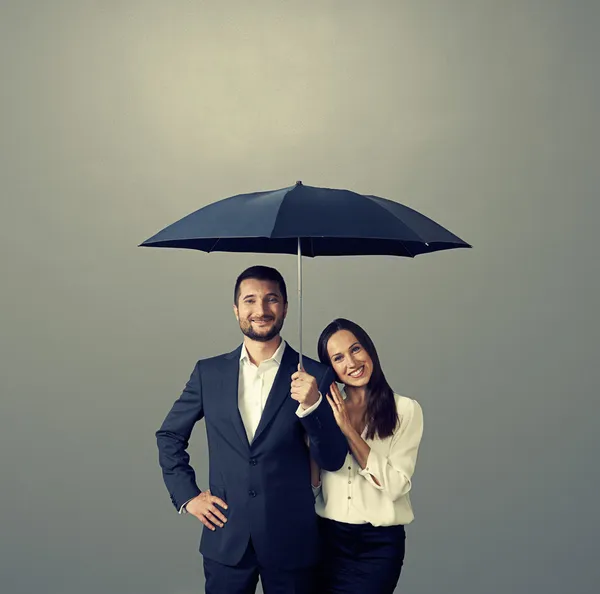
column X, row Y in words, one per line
column 261, row 411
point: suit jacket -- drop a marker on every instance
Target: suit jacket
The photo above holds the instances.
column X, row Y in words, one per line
column 266, row 483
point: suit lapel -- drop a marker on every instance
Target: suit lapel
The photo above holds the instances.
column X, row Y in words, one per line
column 280, row 390
column 230, row 378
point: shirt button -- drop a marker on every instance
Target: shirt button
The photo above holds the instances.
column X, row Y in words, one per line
column 252, row 493
column 349, row 482
column 349, row 467
column 349, row 497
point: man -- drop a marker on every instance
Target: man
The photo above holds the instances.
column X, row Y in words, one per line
column 258, row 512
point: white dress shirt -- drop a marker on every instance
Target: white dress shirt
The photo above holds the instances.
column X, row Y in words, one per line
column 255, row 383
column 351, row 495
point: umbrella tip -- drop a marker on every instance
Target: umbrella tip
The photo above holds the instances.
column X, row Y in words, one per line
column 298, row 183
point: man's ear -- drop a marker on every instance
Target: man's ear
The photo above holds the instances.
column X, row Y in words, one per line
column 236, row 313
column 285, row 307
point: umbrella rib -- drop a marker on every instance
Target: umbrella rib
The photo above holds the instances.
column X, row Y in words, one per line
column 279, row 209
column 397, row 217
column 214, row 245
column 406, row 248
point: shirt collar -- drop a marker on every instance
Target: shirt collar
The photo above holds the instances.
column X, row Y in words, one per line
column 276, row 357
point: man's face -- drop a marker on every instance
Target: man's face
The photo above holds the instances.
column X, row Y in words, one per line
column 260, row 309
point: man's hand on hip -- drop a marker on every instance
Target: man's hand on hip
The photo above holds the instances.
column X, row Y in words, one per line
column 304, row 389
column 204, row 507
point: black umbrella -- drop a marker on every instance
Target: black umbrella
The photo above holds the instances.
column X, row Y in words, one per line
column 307, row 221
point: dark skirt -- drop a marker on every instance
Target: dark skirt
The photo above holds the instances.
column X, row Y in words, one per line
column 359, row 558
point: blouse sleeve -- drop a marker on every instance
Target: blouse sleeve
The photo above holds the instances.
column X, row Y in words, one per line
column 394, row 471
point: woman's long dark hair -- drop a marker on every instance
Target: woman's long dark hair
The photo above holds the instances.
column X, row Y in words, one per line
column 381, row 414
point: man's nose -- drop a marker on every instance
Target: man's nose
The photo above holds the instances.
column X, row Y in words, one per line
column 261, row 308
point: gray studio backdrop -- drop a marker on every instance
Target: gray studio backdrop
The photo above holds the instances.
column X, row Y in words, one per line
column 117, row 118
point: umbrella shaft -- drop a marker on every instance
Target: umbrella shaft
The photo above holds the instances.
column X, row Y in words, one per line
column 300, row 302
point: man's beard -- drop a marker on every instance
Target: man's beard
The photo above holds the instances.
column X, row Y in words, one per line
column 249, row 331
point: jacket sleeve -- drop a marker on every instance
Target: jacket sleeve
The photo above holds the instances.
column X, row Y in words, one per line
column 173, row 437
column 328, row 446
column 394, row 472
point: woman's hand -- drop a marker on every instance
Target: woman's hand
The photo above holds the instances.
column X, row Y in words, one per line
column 340, row 412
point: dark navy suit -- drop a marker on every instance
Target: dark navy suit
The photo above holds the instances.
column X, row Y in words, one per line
column 266, row 483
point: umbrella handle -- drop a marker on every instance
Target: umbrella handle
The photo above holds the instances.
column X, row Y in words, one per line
column 300, row 302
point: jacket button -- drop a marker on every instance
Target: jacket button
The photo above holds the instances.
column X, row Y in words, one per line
column 252, row 493
column 253, row 461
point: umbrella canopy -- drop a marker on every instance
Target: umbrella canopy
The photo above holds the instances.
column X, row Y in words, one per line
column 328, row 222
column 307, row 221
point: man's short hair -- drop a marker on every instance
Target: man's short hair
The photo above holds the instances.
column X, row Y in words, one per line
column 261, row 273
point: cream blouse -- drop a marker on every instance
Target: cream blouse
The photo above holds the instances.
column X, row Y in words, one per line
column 351, row 495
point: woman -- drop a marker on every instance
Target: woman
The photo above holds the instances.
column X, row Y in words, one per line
column 364, row 506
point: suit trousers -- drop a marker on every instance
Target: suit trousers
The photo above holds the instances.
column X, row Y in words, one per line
column 359, row 558
column 243, row 577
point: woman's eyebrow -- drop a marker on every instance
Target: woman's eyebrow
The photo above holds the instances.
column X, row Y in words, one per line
column 352, row 345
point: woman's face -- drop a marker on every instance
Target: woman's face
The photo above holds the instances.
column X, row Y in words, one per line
column 349, row 359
